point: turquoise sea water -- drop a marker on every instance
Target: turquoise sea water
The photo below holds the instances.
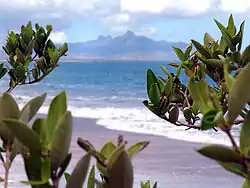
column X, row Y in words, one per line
column 113, row 93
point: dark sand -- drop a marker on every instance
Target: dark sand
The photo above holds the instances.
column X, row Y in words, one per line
column 173, row 163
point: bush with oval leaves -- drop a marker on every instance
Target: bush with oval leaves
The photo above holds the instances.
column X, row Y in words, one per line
column 216, row 96
column 44, row 143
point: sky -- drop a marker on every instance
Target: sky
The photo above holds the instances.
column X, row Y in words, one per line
column 82, row 20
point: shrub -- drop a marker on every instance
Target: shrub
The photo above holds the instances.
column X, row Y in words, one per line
column 44, row 144
column 215, row 97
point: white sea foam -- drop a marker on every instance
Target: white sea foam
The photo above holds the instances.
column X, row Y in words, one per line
column 141, row 120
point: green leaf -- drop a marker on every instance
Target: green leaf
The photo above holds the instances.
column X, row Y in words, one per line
column 208, row 40
column 61, row 140
column 29, row 48
column 151, row 79
column 246, row 183
column 216, row 63
column 31, row 108
column 226, row 36
column 236, row 168
column 236, row 57
column 79, row 173
column 20, row 56
column 187, row 51
column 38, row 126
column 239, row 88
column 9, row 107
column 244, row 136
column 199, row 93
column 25, row 134
column 160, row 85
column 57, row 109
column 154, row 94
column 179, row 53
column 245, row 57
column 134, row 149
column 3, row 72
column 220, row 153
column 45, row 171
column 64, row 165
column 188, row 114
column 178, row 71
column 229, row 79
column 231, row 26
column 63, row 49
column 165, row 71
column 168, row 86
column 91, row 179
column 201, row 49
column 66, row 175
column 20, row 72
column 121, row 171
column 155, row 185
column 211, row 119
column 174, row 64
column 242, row 25
column 107, row 149
column 16, row 149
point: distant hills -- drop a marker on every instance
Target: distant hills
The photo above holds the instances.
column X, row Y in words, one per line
column 127, row 47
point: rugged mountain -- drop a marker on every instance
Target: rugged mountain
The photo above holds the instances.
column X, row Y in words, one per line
column 125, row 47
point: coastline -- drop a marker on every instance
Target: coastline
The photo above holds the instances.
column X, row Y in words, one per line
column 172, row 163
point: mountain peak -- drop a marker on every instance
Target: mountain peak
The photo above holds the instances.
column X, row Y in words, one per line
column 101, row 38
column 129, row 34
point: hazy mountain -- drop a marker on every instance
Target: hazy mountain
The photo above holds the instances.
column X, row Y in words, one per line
column 125, row 47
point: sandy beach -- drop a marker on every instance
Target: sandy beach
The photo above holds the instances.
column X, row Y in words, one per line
column 173, row 163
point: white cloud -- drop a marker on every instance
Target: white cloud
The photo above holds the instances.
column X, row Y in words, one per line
column 192, row 7
column 120, row 18
column 185, row 7
column 146, row 31
column 58, row 37
column 235, row 6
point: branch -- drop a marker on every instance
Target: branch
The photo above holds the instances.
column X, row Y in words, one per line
column 237, row 122
column 189, row 126
column 40, row 78
column 228, row 132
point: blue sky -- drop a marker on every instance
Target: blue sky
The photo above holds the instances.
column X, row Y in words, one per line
column 81, row 20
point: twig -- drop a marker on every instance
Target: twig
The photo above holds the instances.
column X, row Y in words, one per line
column 7, row 166
column 34, row 57
column 228, row 132
column 189, row 126
column 237, row 122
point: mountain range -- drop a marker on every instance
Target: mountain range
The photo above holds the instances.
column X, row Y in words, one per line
column 127, row 47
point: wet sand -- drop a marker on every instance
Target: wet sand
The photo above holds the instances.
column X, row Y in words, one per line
column 172, row 163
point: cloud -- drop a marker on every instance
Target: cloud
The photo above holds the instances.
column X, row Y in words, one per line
column 58, row 37
column 146, row 31
column 60, row 13
column 118, row 16
column 186, row 7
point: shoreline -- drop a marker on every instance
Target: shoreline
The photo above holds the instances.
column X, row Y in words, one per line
column 172, row 163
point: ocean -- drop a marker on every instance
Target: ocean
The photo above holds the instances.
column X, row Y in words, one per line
column 112, row 93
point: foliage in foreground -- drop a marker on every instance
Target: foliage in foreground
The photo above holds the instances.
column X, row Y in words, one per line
column 219, row 104
column 44, row 143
